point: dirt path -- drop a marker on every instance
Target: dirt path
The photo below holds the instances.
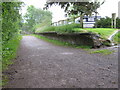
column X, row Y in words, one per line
column 42, row 65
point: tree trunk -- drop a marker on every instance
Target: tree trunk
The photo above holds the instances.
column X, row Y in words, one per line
column 95, row 20
column 81, row 20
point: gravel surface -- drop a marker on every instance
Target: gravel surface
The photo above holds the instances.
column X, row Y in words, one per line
column 40, row 64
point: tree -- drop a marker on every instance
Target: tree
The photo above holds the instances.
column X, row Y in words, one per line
column 36, row 16
column 79, row 8
column 118, row 22
column 106, row 22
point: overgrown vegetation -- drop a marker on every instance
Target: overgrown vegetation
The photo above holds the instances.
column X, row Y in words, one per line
column 62, row 29
column 103, row 51
column 11, row 23
column 57, row 42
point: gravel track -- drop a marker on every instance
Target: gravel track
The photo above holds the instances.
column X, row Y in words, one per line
column 40, row 64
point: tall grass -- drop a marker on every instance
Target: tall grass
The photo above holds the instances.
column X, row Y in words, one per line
column 61, row 29
column 67, row 28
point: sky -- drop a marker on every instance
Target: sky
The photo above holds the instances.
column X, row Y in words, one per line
column 109, row 7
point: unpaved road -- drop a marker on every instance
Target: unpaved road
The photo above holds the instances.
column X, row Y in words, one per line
column 43, row 65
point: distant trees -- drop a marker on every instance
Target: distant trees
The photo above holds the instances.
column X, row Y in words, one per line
column 79, row 8
column 34, row 17
column 106, row 22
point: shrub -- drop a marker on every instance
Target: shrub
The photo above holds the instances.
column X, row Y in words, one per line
column 106, row 23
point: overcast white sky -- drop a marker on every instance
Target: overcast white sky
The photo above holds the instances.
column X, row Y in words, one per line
column 109, row 7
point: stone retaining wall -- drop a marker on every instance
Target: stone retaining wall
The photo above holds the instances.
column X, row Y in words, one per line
column 87, row 39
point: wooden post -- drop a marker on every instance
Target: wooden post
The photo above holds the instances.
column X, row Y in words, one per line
column 81, row 21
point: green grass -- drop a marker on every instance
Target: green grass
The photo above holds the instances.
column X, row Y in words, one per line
column 75, row 28
column 60, row 43
column 61, row 29
column 117, row 38
column 103, row 51
column 103, row 32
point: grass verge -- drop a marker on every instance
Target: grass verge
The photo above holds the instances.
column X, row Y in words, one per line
column 103, row 51
column 9, row 51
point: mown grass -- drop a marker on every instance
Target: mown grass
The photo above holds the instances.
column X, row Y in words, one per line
column 103, row 51
column 103, row 32
column 9, row 51
column 60, row 43
column 116, row 38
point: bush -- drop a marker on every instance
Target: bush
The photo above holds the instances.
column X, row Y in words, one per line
column 106, row 23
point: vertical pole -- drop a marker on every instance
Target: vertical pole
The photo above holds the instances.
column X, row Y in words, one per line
column 113, row 25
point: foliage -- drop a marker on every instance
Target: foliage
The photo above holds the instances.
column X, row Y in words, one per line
column 106, row 23
column 118, row 22
column 35, row 16
column 103, row 51
column 10, row 20
column 81, row 8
